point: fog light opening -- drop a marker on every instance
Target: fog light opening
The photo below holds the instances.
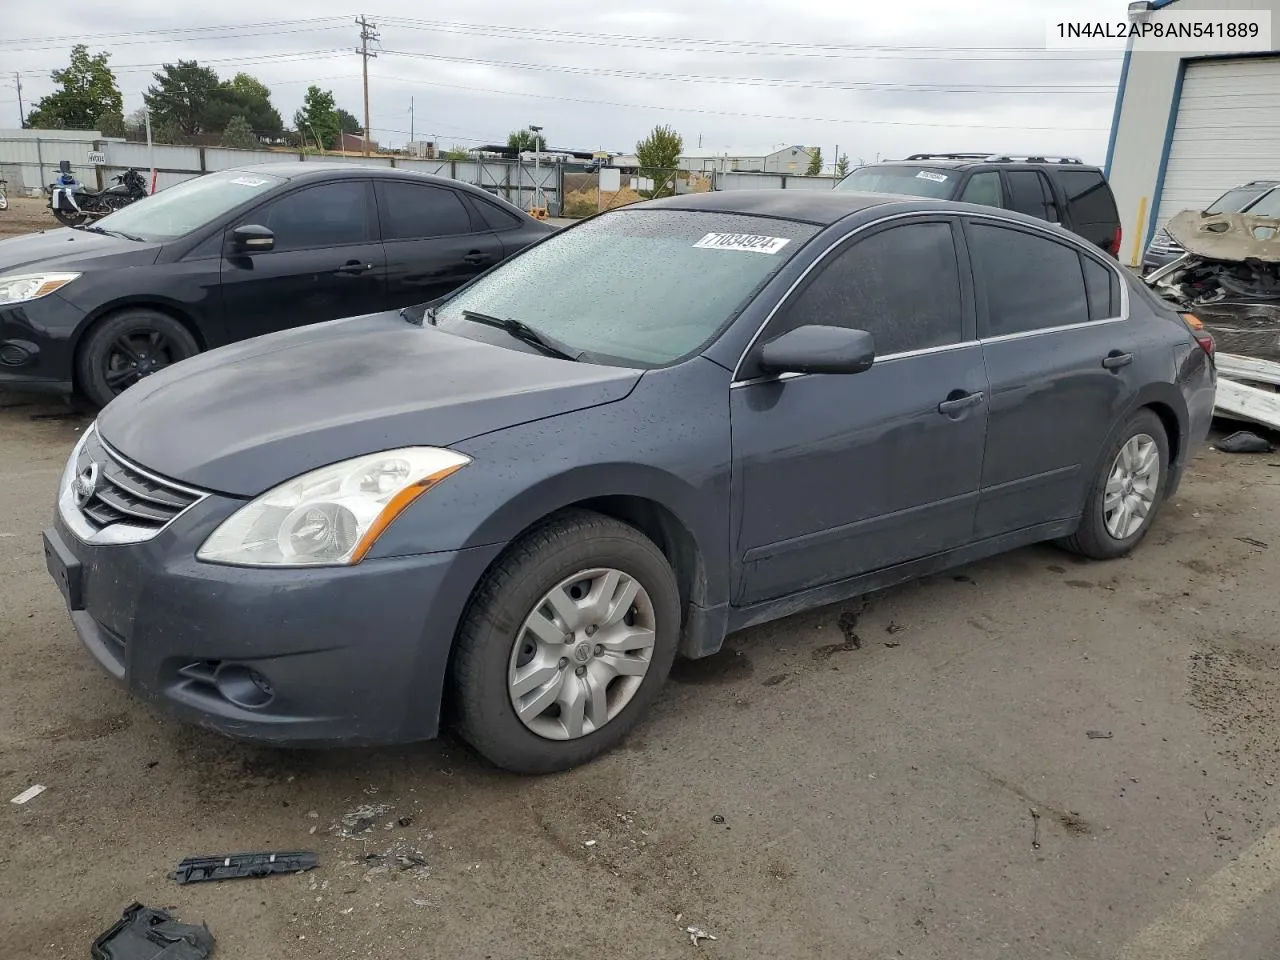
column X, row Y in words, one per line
column 243, row 686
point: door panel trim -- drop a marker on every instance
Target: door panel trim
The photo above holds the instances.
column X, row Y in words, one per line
column 1024, row 334
column 1011, row 486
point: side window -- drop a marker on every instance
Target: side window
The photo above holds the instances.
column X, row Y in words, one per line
column 494, row 216
column 419, row 211
column 1088, row 196
column 983, row 188
column 1030, row 193
column 326, row 215
column 1030, row 282
column 902, row 285
column 1102, row 289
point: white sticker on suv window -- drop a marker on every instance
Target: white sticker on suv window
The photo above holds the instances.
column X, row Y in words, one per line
column 930, row 175
column 249, row 181
column 741, row 241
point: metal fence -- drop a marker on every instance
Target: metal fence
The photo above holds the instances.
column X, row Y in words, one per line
column 734, row 180
column 30, row 163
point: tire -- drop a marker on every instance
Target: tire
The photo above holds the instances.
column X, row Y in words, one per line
column 69, row 218
column 495, row 649
column 1095, row 538
column 156, row 340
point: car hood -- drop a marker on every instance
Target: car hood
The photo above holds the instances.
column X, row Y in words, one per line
column 67, row 249
column 241, row 419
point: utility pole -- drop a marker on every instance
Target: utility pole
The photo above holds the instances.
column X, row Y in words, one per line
column 411, row 123
column 368, row 31
column 22, row 114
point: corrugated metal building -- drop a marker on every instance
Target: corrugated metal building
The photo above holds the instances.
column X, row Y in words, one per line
column 1188, row 127
column 788, row 159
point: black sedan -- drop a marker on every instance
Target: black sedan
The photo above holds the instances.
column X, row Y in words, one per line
column 236, row 254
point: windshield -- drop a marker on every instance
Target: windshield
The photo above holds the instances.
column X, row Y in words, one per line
column 904, row 181
column 188, row 206
column 1233, row 201
column 633, row 287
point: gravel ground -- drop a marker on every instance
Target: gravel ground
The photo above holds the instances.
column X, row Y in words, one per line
column 26, row 214
column 910, row 776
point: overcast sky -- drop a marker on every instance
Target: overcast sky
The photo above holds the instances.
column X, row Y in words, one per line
column 874, row 77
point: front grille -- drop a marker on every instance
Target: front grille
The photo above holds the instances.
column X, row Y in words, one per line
column 126, row 494
column 1163, row 243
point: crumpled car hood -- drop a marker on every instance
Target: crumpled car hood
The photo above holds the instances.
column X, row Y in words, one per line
column 1227, row 236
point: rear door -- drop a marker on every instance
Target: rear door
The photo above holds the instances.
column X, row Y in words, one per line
column 839, row 475
column 327, row 262
column 1091, row 209
column 1061, row 360
column 432, row 240
column 1029, row 192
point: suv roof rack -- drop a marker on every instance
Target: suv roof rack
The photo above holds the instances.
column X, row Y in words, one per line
column 997, row 157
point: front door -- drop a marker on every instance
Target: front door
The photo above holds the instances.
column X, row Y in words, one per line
column 327, row 262
column 432, row 243
column 1061, row 361
column 838, row 475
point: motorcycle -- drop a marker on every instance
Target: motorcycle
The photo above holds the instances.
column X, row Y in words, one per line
column 75, row 205
column 4, row 197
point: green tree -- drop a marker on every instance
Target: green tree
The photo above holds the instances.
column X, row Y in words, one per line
column 239, row 135
column 842, row 166
column 348, row 123
column 87, row 91
column 659, row 154
column 456, row 152
column 111, row 124
column 181, row 98
column 246, row 96
column 523, row 140
column 318, row 121
column 815, row 162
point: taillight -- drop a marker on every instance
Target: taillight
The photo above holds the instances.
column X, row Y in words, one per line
column 1203, row 336
column 1115, row 242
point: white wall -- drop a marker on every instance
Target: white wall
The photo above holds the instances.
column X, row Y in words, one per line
column 1143, row 127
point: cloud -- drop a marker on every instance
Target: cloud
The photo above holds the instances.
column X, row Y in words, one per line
column 889, row 78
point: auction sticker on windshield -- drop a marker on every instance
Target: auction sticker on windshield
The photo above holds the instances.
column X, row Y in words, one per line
column 741, row 241
column 930, row 175
column 248, row 181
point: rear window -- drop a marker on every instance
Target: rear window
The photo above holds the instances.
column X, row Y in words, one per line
column 1088, row 196
column 494, row 216
column 906, row 181
column 636, row 288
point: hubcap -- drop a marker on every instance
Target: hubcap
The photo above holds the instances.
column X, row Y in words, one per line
column 1131, row 487
column 581, row 654
column 135, row 355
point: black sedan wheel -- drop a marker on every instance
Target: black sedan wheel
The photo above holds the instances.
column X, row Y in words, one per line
column 565, row 644
column 127, row 346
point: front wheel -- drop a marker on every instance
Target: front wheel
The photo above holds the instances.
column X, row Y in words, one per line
column 565, row 644
column 1127, row 492
column 127, row 346
column 70, row 218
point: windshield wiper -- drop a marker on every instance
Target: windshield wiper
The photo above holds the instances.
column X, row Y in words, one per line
column 525, row 333
column 114, row 233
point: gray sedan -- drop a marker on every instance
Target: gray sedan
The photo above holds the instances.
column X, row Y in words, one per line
column 513, row 508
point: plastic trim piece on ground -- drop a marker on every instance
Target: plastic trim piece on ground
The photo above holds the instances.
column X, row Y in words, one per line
column 145, row 933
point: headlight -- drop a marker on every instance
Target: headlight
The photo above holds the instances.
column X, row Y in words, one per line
column 32, row 286
column 330, row 516
column 69, row 471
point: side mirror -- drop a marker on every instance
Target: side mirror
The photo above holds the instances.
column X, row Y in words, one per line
column 818, row 349
column 252, row 238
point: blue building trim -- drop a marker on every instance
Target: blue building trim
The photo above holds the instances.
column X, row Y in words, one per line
column 1115, row 116
column 1175, row 103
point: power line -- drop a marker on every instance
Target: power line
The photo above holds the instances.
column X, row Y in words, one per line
column 733, row 113
column 1038, row 89
column 80, row 37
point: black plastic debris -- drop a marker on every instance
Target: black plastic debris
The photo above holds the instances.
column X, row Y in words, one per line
column 144, row 933
column 1244, row 441
column 238, row 866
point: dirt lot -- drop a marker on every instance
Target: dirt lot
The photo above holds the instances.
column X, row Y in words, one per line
column 24, row 215
column 876, row 767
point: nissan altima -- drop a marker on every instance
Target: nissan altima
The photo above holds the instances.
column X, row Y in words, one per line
column 510, row 509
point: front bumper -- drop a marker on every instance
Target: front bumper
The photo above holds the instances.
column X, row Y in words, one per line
column 346, row 655
column 37, row 344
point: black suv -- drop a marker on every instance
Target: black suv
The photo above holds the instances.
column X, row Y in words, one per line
column 1261, row 197
column 1058, row 189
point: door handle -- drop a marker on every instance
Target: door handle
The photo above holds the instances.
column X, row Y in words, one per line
column 958, row 404
column 1115, row 360
column 475, row 256
column 353, row 268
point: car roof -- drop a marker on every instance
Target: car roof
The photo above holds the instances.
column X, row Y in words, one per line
column 302, row 169
column 821, row 207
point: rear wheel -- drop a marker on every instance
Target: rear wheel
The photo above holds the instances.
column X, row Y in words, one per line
column 566, row 643
column 127, row 346
column 1127, row 492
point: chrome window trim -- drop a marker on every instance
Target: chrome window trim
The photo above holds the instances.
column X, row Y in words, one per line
column 1049, row 231
column 116, row 533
